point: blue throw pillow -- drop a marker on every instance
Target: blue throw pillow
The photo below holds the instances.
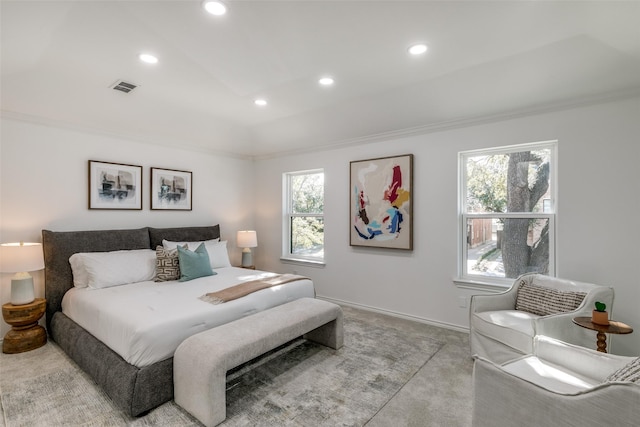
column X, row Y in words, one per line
column 194, row 264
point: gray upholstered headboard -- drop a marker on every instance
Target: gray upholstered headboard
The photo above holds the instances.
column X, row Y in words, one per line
column 58, row 246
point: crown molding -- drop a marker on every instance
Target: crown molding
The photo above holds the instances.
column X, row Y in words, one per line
column 462, row 123
column 344, row 143
column 60, row 124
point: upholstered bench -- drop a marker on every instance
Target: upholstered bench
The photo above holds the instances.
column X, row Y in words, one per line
column 201, row 362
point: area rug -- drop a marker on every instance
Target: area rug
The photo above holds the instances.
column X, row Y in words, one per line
column 300, row 384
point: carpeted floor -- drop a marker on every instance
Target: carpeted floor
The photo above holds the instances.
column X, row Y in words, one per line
column 391, row 371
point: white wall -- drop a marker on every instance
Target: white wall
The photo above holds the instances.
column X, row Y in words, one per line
column 43, row 185
column 597, row 224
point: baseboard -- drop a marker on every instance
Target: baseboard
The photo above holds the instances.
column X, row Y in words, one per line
column 397, row 314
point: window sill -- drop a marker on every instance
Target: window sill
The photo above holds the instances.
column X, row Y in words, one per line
column 302, row 261
column 480, row 285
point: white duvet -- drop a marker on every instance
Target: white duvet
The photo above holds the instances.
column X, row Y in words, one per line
column 145, row 322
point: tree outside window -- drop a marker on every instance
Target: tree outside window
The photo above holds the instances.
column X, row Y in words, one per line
column 305, row 215
column 507, row 211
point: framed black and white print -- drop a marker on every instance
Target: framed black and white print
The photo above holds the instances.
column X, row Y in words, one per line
column 114, row 186
column 171, row 189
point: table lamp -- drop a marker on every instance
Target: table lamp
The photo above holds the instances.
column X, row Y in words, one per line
column 20, row 258
column 247, row 239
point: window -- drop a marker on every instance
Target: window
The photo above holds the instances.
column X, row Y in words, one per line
column 507, row 212
column 304, row 216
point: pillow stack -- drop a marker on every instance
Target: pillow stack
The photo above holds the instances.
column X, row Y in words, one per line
column 180, row 261
column 189, row 260
column 217, row 250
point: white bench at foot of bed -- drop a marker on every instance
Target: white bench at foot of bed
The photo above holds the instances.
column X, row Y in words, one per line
column 201, row 362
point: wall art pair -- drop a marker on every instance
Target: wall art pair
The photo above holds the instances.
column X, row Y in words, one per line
column 119, row 186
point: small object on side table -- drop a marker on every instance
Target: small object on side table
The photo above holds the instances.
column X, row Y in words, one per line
column 612, row 328
column 599, row 316
column 25, row 333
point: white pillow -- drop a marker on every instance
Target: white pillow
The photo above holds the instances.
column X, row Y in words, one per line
column 106, row 269
column 217, row 250
column 192, row 246
column 218, row 254
column 80, row 275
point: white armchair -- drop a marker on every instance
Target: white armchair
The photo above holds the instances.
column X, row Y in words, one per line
column 560, row 385
column 502, row 326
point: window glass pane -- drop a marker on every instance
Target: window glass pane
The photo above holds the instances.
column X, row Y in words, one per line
column 307, row 193
column 507, row 247
column 509, row 182
column 307, row 236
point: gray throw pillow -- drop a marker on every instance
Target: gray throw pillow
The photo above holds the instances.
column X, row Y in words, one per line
column 544, row 301
column 629, row 372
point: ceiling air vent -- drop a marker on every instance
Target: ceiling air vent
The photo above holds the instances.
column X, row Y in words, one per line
column 123, row 86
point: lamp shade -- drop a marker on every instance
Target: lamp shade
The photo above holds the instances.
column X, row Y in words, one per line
column 247, row 239
column 21, row 257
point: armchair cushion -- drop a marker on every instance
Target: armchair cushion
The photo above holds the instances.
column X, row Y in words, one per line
column 514, row 327
column 543, row 301
column 549, row 376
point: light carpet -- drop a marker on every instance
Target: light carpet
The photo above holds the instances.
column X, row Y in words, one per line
column 302, row 384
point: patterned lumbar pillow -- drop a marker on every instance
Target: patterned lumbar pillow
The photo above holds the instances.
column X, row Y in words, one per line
column 167, row 264
column 629, row 372
column 544, row 301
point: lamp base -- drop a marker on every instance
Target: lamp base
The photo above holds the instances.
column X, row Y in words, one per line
column 22, row 291
column 247, row 258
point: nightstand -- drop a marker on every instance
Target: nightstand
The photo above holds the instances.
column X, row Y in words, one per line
column 25, row 333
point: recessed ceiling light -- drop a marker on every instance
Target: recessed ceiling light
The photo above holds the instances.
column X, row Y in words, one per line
column 418, row 49
column 148, row 58
column 326, row 81
column 214, row 7
column 260, row 102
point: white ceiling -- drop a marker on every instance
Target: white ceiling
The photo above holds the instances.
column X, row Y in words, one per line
column 485, row 59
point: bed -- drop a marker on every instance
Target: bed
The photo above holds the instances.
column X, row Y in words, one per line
column 124, row 337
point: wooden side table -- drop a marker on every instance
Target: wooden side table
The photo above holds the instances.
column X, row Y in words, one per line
column 612, row 328
column 25, row 333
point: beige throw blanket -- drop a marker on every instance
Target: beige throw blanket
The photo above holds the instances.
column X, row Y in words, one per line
column 245, row 288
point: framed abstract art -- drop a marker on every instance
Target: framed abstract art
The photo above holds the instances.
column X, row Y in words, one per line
column 381, row 200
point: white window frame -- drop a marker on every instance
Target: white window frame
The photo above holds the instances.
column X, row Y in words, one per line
column 474, row 281
column 287, row 255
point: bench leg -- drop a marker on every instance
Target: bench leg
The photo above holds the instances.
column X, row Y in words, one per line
column 202, row 394
column 330, row 334
column 218, row 408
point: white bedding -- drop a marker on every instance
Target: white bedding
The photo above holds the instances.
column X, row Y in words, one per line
column 145, row 322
